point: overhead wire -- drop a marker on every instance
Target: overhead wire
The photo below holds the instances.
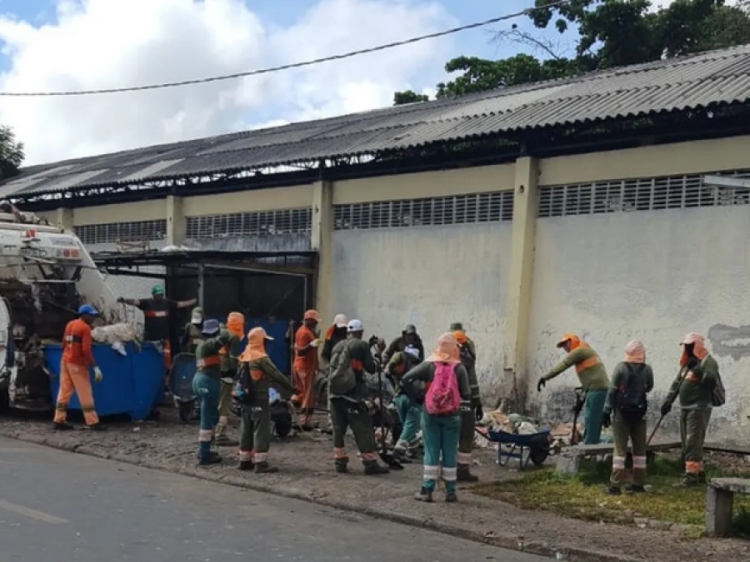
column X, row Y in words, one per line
column 290, row 66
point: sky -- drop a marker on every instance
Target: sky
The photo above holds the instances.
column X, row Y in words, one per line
column 90, row 44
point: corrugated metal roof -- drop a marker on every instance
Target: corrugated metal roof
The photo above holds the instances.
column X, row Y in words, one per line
column 714, row 78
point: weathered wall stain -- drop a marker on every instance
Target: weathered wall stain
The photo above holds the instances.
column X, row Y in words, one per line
column 728, row 341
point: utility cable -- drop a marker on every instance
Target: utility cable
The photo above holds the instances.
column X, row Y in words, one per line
column 290, row 66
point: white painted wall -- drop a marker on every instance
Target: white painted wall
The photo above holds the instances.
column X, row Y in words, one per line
column 428, row 276
column 652, row 275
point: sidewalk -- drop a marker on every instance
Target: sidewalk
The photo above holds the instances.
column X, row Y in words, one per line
column 306, row 472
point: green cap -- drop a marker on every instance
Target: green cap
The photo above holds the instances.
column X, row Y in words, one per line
column 157, row 290
column 457, row 327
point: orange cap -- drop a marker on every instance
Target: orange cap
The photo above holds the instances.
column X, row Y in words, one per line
column 460, row 337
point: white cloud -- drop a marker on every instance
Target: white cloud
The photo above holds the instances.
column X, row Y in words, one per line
column 113, row 43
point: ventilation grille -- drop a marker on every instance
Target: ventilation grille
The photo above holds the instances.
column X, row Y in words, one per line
column 675, row 192
column 122, row 232
column 434, row 211
column 262, row 223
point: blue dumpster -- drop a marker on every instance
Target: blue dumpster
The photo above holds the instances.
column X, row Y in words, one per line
column 130, row 384
column 277, row 350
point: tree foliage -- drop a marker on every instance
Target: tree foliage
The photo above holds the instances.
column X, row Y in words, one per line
column 610, row 33
column 11, row 153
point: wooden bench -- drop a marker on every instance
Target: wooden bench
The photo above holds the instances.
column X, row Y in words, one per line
column 569, row 461
column 720, row 503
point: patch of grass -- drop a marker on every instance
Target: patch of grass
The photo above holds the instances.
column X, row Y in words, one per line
column 584, row 496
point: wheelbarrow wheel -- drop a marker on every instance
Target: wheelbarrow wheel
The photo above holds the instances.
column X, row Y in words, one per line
column 186, row 411
column 539, row 454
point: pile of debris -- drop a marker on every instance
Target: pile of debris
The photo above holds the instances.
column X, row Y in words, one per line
column 117, row 335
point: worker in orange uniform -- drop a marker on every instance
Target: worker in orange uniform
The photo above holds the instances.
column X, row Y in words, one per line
column 77, row 359
column 305, row 367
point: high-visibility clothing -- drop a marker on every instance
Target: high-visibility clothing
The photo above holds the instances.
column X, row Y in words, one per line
column 77, row 344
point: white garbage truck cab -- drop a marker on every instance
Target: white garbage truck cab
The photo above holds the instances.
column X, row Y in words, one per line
column 45, row 275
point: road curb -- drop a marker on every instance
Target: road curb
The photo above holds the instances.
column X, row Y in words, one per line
column 501, row 540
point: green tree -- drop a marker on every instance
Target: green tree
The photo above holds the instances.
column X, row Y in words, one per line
column 11, row 153
column 408, row 96
column 610, row 34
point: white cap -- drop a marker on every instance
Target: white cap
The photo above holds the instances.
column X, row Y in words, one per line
column 355, row 326
column 340, row 321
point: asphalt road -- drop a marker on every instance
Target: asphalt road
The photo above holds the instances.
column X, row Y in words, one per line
column 55, row 505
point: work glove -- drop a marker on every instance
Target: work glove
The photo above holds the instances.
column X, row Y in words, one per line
column 98, row 377
column 315, row 343
column 541, row 384
column 666, row 408
column 606, row 419
column 479, row 413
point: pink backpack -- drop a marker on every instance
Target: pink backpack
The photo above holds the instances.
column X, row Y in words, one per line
column 443, row 397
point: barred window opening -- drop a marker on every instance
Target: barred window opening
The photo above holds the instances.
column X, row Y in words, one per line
column 645, row 194
column 122, row 232
column 256, row 223
column 433, row 211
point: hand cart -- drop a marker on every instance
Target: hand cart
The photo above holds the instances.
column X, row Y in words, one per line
column 526, row 448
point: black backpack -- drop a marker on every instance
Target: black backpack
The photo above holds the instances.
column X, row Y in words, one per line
column 244, row 390
column 631, row 395
column 467, row 358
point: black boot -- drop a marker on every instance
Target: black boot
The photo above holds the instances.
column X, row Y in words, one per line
column 424, row 495
column 62, row 426
column 372, row 468
column 96, row 427
column 463, row 474
column 635, row 489
column 212, row 458
column 265, row 468
column 342, row 466
column 246, row 465
column 614, row 491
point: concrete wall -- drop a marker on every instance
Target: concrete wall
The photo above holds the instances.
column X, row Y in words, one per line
column 431, row 277
column 652, row 275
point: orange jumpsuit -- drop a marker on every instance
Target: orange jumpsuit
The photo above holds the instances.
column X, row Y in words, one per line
column 74, row 372
column 304, row 369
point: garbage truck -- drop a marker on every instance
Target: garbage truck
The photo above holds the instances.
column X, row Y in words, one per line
column 45, row 274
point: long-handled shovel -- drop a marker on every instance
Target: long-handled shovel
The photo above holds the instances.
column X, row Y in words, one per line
column 385, row 456
column 656, row 428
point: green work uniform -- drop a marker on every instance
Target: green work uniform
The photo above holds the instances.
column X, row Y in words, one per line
column 440, row 433
column 594, row 380
column 191, row 337
column 623, row 428
column 349, row 410
column 409, row 411
column 255, row 430
column 229, row 357
column 695, row 392
column 468, row 418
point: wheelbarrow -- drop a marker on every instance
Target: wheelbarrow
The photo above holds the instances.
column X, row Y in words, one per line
column 526, row 448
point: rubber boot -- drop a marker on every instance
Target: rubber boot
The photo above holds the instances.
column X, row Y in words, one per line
column 424, row 495
column 265, row 468
column 212, row 458
column 64, row 426
column 463, row 474
column 342, row 466
column 372, row 468
column 246, row 465
column 450, row 492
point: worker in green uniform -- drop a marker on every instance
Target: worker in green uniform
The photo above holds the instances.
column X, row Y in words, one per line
column 625, row 410
column 409, row 411
column 347, row 390
column 255, row 432
column 472, row 414
column 695, row 384
column 409, row 336
column 191, row 334
column 207, row 386
column 594, row 380
column 236, row 327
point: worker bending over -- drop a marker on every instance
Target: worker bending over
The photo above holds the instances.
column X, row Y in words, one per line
column 255, row 432
column 594, row 380
column 236, row 328
column 77, row 359
column 409, row 411
column 207, row 386
column 695, row 384
column 347, row 390
column 472, row 414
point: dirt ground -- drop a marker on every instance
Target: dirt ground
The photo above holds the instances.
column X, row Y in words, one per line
column 306, row 471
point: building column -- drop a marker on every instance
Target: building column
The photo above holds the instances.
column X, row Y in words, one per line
column 64, row 218
column 321, row 242
column 176, row 223
column 525, row 201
